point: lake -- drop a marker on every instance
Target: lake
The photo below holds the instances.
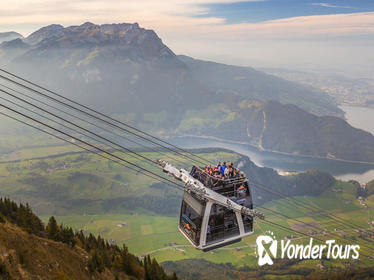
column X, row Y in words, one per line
column 358, row 117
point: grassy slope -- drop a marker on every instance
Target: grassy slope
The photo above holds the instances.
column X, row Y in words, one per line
column 38, row 152
column 26, row 256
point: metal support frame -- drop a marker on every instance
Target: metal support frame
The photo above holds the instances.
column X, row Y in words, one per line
column 195, row 186
column 211, row 197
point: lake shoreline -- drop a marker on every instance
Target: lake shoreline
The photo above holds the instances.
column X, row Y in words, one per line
column 340, row 169
column 359, row 117
column 271, row 151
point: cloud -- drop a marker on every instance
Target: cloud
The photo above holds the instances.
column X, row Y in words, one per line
column 278, row 41
column 327, row 5
column 149, row 13
column 170, row 16
column 301, row 27
column 174, row 19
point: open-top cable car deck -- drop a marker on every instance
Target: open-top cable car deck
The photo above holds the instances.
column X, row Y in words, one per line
column 214, row 212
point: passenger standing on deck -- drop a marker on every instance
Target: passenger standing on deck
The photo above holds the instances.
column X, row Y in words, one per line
column 228, row 172
column 218, row 167
column 223, row 167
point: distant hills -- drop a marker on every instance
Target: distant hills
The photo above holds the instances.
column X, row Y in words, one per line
column 288, row 129
column 127, row 71
column 342, row 88
column 311, row 182
column 276, row 127
column 252, row 84
column 8, row 36
column 292, row 130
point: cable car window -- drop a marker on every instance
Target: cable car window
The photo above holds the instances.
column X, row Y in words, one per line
column 222, row 224
column 247, row 223
column 190, row 222
column 196, row 204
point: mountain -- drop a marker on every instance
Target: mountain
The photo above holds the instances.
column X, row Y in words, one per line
column 310, row 182
column 7, row 36
column 283, row 128
column 253, row 84
column 12, row 49
column 128, row 72
column 292, row 130
column 126, row 69
column 26, row 256
column 125, row 40
column 119, row 68
column 11, row 46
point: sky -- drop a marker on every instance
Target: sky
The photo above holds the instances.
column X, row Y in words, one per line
column 336, row 35
column 259, row 11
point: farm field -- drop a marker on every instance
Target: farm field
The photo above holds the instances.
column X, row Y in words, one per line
column 159, row 236
column 38, row 152
column 81, row 183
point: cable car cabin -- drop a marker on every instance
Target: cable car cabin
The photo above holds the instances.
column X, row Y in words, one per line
column 210, row 221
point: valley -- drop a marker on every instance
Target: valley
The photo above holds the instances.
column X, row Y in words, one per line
column 171, row 95
column 159, row 237
column 127, row 101
column 90, row 194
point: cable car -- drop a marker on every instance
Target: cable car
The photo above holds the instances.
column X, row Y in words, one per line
column 214, row 212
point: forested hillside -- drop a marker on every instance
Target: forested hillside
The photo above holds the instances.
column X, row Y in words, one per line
column 273, row 126
column 30, row 250
column 266, row 183
column 285, row 269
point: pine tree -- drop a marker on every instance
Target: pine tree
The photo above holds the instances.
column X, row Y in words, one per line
column 102, row 254
column 52, row 229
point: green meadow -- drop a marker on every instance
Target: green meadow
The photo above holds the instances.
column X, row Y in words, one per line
column 159, row 236
column 92, row 194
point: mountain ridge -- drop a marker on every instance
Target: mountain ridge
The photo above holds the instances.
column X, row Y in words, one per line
column 287, row 129
column 127, row 72
column 85, row 52
column 89, row 34
column 250, row 83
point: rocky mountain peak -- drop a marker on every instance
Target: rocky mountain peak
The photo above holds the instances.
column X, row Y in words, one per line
column 125, row 37
column 47, row 32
